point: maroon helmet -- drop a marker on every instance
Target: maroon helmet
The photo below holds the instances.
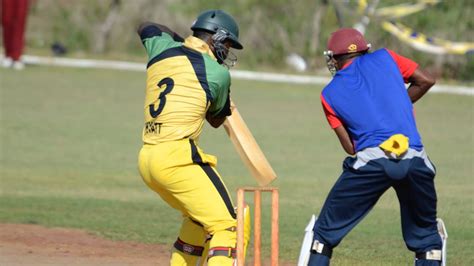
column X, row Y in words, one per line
column 346, row 41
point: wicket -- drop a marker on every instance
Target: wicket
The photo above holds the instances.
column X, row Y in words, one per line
column 257, row 224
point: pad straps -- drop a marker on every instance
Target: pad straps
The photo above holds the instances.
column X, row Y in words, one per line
column 434, row 254
column 322, row 249
column 188, row 248
column 222, row 251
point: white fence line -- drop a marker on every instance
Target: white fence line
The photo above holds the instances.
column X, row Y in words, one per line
column 237, row 74
column 83, row 63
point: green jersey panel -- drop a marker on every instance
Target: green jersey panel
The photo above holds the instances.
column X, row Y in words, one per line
column 218, row 78
column 157, row 44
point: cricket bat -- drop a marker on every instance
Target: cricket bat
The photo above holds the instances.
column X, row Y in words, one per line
column 248, row 149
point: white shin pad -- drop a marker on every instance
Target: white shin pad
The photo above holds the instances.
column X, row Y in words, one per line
column 307, row 242
column 444, row 237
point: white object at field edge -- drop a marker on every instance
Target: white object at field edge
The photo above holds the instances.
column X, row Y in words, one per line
column 236, row 74
column 297, row 62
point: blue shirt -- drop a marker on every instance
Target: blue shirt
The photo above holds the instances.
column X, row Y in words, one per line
column 370, row 99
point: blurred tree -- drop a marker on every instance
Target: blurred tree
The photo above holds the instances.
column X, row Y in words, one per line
column 103, row 30
column 315, row 30
column 269, row 29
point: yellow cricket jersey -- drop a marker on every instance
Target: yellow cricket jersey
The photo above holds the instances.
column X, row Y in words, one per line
column 184, row 82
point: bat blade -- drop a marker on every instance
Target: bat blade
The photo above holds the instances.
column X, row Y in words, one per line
column 248, row 149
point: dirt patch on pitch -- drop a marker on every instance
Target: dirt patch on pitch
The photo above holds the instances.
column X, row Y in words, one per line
column 37, row 245
column 24, row 244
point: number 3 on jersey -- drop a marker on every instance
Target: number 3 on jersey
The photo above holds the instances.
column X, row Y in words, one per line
column 162, row 97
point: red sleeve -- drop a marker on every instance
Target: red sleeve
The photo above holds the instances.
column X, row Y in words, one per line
column 406, row 66
column 333, row 120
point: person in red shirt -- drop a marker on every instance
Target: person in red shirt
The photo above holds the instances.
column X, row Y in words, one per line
column 14, row 14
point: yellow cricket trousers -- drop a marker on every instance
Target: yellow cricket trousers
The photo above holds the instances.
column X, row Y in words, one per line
column 186, row 178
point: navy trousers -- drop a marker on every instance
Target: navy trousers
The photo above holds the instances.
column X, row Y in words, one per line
column 359, row 188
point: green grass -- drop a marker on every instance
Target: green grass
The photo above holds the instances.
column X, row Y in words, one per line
column 70, row 138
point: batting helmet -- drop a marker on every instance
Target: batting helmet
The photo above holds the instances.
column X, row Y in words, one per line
column 346, row 41
column 218, row 20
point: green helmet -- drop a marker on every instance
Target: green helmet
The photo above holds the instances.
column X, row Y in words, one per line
column 218, row 20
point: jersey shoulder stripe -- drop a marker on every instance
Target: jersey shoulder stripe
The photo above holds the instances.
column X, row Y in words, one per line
column 171, row 52
column 149, row 32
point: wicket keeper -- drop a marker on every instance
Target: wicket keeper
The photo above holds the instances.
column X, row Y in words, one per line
column 371, row 112
column 188, row 82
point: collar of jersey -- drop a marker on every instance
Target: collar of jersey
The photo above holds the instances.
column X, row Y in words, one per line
column 347, row 63
column 198, row 45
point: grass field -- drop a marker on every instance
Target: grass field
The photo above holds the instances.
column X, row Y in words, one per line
column 70, row 138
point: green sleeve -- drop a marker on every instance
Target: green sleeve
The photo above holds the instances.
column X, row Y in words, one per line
column 155, row 45
column 219, row 85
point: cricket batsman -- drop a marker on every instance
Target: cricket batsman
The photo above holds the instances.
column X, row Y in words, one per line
column 188, row 82
column 371, row 112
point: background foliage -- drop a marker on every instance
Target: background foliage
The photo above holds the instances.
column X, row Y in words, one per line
column 270, row 30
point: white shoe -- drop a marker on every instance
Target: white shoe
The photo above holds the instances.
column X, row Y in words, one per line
column 18, row 65
column 7, row 62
